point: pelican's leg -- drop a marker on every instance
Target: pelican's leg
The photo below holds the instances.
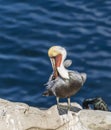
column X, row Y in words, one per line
column 69, row 103
column 57, row 99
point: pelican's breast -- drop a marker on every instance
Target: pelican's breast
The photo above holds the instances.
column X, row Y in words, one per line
column 67, row 87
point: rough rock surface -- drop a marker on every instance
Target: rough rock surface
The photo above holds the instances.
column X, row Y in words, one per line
column 19, row 116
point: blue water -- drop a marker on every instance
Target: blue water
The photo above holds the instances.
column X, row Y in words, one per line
column 29, row 28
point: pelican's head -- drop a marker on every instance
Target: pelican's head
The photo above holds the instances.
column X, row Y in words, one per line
column 57, row 55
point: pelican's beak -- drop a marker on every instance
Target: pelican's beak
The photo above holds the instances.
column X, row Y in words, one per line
column 56, row 61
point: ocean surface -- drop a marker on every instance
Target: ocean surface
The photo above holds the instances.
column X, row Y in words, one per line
column 29, row 28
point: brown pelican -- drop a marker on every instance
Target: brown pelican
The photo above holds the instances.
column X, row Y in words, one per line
column 63, row 83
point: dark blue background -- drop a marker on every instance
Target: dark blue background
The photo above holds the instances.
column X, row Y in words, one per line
column 28, row 28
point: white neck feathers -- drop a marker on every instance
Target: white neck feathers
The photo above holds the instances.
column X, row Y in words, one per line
column 63, row 72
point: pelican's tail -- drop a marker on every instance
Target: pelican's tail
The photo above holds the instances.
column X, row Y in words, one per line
column 84, row 77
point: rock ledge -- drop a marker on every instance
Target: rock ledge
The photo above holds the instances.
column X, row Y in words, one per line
column 20, row 116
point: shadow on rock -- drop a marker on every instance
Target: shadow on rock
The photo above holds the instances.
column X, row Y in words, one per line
column 63, row 109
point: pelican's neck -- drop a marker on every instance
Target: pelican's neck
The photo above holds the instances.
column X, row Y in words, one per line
column 63, row 72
